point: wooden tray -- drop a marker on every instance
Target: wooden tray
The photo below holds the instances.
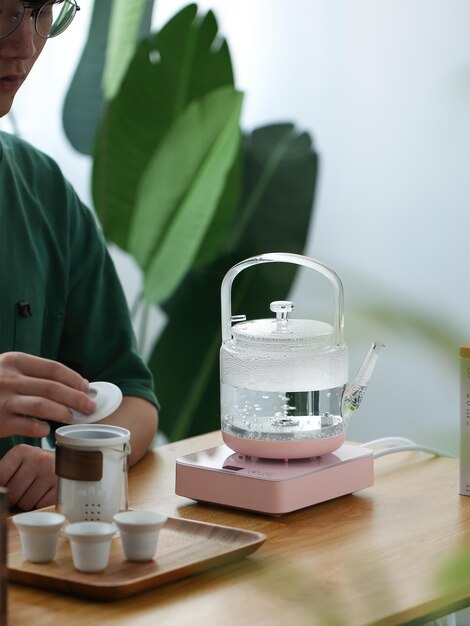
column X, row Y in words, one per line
column 185, row 547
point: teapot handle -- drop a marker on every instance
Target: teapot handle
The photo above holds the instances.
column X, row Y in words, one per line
column 281, row 257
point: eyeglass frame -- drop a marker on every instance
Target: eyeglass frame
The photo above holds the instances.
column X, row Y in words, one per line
column 36, row 11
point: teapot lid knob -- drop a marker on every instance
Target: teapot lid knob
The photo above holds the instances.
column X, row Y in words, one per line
column 282, row 308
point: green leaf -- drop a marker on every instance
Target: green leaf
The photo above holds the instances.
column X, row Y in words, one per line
column 181, row 188
column 186, row 356
column 84, row 101
column 280, row 180
column 124, row 29
column 183, row 62
column 221, row 226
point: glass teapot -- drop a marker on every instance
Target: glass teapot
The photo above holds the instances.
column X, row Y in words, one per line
column 283, row 381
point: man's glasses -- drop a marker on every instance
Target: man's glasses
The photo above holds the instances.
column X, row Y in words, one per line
column 50, row 18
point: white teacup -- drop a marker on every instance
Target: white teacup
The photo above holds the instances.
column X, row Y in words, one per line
column 38, row 532
column 91, row 544
column 139, row 533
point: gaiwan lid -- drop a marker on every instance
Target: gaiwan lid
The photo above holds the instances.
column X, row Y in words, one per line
column 281, row 330
column 107, row 398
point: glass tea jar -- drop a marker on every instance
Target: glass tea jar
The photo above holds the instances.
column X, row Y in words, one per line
column 91, row 465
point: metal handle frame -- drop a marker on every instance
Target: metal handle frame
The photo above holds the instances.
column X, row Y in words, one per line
column 281, row 257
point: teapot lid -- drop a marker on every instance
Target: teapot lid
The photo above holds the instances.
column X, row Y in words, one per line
column 283, row 330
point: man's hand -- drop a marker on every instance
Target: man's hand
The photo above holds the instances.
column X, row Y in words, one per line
column 29, row 475
column 33, row 387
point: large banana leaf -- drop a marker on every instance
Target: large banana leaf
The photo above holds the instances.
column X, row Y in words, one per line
column 280, row 177
column 145, row 126
column 84, row 101
column 183, row 62
column 180, row 190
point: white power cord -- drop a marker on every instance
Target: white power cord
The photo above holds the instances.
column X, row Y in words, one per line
column 401, row 444
column 416, row 448
column 392, row 441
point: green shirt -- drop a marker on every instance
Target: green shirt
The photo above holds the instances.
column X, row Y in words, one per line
column 60, row 297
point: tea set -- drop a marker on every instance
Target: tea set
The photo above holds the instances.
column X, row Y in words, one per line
column 90, row 542
column 92, row 508
column 285, row 406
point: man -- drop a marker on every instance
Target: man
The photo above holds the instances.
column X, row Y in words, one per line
column 63, row 316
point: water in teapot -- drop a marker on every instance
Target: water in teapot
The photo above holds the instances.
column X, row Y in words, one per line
column 281, row 415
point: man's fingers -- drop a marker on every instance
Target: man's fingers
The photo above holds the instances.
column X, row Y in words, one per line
column 42, row 388
column 36, row 496
column 41, row 408
column 25, row 426
column 48, row 399
column 48, row 499
column 38, row 367
column 28, row 472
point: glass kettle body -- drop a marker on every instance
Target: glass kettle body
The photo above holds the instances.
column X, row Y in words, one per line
column 283, row 381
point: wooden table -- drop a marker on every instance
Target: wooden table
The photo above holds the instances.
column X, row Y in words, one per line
column 368, row 558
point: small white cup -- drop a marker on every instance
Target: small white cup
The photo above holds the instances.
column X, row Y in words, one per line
column 38, row 531
column 139, row 533
column 91, row 544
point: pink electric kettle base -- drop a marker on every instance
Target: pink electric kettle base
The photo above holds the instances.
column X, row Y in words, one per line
column 272, row 487
column 293, row 449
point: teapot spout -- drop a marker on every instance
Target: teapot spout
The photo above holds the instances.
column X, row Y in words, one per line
column 355, row 392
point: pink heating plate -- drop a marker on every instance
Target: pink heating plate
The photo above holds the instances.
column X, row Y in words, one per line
column 271, row 486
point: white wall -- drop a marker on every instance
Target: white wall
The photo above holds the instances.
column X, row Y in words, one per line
column 384, row 88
